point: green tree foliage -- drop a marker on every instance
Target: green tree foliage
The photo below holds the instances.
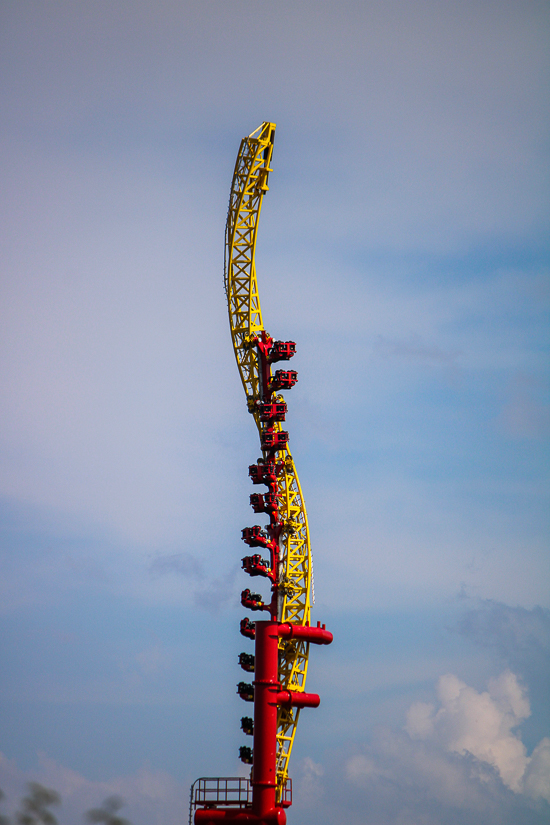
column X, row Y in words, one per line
column 107, row 814
column 34, row 807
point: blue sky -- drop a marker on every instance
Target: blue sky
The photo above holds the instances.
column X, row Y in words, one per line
column 404, row 247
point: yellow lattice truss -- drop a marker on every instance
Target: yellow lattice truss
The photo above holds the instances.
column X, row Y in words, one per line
column 249, row 185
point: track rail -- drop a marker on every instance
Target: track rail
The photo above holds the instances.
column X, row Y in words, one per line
column 293, row 584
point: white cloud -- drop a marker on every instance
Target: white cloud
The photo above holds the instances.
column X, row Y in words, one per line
column 480, row 724
column 414, row 777
column 537, row 775
column 459, row 762
column 309, row 787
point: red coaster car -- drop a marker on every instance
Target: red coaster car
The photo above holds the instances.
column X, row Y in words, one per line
column 281, row 351
column 256, row 566
column 274, row 441
column 256, row 537
column 246, row 691
column 248, row 628
column 266, row 503
column 272, row 411
column 253, row 601
column 263, row 473
column 283, row 380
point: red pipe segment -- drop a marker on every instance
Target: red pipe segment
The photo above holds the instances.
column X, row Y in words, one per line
column 211, row 816
column 318, row 635
column 266, row 687
column 292, row 699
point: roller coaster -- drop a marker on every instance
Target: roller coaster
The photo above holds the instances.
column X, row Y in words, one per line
column 280, row 660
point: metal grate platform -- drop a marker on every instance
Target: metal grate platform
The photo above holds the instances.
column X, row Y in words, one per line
column 222, row 791
column 216, row 791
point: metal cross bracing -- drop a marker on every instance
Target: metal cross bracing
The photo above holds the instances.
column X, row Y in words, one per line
column 282, row 643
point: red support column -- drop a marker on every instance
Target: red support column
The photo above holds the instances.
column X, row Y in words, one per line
column 266, row 689
column 267, row 696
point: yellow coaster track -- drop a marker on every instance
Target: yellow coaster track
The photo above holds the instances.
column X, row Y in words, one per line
column 250, row 182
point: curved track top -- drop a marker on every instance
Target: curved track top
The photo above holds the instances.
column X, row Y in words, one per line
column 250, row 183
